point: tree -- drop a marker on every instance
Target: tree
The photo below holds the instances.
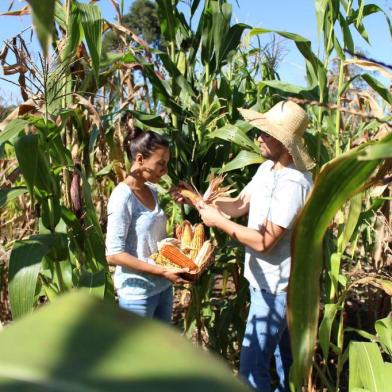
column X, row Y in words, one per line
column 143, row 20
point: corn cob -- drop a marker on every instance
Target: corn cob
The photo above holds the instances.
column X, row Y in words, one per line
column 175, row 256
column 192, row 196
column 197, row 241
column 187, row 235
column 162, row 260
column 204, row 253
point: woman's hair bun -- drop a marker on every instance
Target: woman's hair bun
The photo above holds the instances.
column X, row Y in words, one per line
column 134, row 132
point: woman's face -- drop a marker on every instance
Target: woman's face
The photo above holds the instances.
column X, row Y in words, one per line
column 155, row 166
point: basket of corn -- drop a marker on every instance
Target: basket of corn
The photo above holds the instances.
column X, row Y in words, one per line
column 189, row 249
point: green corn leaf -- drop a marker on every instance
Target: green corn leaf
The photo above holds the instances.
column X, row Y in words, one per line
column 339, row 180
column 352, row 220
column 168, row 20
column 366, row 367
column 377, row 151
column 81, row 343
column 384, row 332
column 25, row 264
column 326, row 326
column 244, row 158
column 74, row 33
column 12, row 129
column 291, row 89
column 8, row 194
column 43, row 21
column 26, row 149
column 378, row 87
column 92, row 24
column 232, row 133
column 321, row 9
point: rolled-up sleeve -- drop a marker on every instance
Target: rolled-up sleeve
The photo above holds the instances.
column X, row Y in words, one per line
column 119, row 221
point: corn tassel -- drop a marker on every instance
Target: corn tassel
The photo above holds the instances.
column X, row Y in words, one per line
column 175, row 256
column 197, row 241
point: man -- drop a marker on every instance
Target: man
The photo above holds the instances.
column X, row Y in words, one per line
column 272, row 200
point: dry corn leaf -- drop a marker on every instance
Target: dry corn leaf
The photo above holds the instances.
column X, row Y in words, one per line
column 366, row 64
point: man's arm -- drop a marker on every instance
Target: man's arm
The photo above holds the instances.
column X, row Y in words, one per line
column 232, row 206
column 261, row 240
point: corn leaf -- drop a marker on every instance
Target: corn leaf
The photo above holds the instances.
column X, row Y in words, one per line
column 83, row 344
column 8, row 194
column 25, row 264
column 321, row 8
column 326, row 326
column 378, row 87
column 384, row 332
column 339, row 180
column 12, row 129
column 367, row 368
column 43, row 21
column 26, row 149
column 232, row 133
column 377, row 151
column 92, row 24
column 244, row 158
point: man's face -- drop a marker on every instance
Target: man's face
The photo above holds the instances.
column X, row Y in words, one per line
column 270, row 148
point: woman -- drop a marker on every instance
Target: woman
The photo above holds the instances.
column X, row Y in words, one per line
column 135, row 224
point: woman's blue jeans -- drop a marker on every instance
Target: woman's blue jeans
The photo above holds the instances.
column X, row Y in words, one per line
column 158, row 306
column 266, row 334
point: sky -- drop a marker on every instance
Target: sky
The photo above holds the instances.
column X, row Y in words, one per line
column 296, row 16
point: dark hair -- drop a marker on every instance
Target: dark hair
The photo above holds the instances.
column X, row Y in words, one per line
column 143, row 142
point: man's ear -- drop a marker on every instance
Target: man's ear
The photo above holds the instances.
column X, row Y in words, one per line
column 139, row 159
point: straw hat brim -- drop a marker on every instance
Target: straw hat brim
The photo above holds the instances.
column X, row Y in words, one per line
column 294, row 144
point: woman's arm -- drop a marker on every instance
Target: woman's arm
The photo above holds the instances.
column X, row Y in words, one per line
column 126, row 260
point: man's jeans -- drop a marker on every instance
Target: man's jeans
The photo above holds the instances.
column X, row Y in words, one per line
column 266, row 334
column 158, row 306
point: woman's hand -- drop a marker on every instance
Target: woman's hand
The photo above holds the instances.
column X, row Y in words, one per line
column 174, row 275
column 209, row 214
column 176, row 195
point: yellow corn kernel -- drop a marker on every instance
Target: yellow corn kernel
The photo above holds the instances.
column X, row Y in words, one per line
column 187, row 235
column 198, row 240
column 175, row 256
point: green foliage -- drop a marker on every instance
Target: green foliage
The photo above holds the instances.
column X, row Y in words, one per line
column 96, row 346
column 142, row 18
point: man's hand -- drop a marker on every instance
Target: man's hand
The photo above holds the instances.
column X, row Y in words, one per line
column 209, row 214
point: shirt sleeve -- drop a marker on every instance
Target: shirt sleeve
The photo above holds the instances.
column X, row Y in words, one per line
column 119, row 221
column 287, row 201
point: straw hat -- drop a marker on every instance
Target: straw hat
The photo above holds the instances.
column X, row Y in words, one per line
column 286, row 122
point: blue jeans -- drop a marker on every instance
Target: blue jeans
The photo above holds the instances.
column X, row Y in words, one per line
column 158, row 306
column 266, row 334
